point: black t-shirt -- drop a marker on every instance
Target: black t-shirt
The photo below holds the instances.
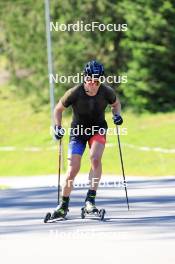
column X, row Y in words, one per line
column 89, row 110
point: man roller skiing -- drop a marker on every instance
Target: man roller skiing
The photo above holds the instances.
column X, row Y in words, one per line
column 88, row 101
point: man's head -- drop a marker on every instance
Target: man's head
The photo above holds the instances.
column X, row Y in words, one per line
column 93, row 70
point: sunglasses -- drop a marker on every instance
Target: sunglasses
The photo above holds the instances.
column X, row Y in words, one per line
column 93, row 81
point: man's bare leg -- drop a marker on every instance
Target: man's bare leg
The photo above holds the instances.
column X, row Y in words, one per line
column 96, row 153
column 73, row 168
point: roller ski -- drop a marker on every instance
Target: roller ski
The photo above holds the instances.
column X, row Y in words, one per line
column 59, row 213
column 90, row 208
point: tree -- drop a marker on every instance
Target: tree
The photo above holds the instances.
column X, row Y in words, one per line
column 145, row 52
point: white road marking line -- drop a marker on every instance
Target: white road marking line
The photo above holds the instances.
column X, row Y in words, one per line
column 108, row 145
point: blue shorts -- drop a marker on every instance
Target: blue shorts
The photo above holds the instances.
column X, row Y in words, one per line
column 77, row 145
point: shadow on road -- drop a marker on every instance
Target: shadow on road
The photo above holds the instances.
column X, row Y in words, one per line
column 24, row 209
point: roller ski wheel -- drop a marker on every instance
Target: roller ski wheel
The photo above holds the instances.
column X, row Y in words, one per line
column 82, row 213
column 102, row 214
column 47, row 217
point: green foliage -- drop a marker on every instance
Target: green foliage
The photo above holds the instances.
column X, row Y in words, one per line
column 23, row 42
column 150, row 44
column 145, row 52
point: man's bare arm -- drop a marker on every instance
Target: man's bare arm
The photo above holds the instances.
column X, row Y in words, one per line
column 59, row 108
column 116, row 107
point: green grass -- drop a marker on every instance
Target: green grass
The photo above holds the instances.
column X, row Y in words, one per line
column 22, row 127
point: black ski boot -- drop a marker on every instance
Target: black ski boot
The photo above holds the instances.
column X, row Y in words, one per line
column 59, row 212
column 62, row 209
column 90, row 202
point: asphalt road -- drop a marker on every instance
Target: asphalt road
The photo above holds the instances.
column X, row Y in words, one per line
column 145, row 234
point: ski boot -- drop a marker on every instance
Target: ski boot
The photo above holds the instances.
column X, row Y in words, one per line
column 90, row 207
column 60, row 212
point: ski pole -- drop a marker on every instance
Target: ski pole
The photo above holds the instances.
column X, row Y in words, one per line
column 123, row 172
column 59, row 168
